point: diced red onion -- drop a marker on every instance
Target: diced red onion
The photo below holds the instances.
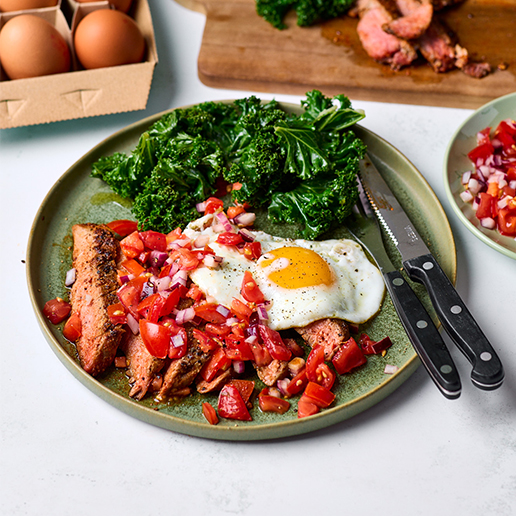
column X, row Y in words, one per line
column 502, row 182
column 466, row 196
column 163, row 283
column 221, row 216
column 185, row 315
column 182, row 242
column 496, row 143
column 231, row 320
column 211, row 261
column 124, row 279
column 252, row 339
column 282, row 385
column 201, row 207
column 474, row 186
column 201, row 241
column 222, row 310
column 179, row 278
column 217, row 227
column 390, row 369
column 70, row 277
column 133, row 324
column 502, row 203
column 239, row 366
column 247, row 235
column 512, row 184
column 177, row 340
column 488, row 223
column 466, row 177
column 157, row 258
column 274, row 391
column 244, row 219
column 262, row 312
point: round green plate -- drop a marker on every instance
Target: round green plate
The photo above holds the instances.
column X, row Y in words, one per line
column 456, row 162
column 79, row 198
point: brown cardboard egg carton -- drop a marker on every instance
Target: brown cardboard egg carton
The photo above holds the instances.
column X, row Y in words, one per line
column 79, row 93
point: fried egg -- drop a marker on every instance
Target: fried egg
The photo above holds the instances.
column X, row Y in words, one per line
column 303, row 281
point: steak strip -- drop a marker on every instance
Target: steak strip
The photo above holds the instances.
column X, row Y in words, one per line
column 331, row 334
column 95, row 255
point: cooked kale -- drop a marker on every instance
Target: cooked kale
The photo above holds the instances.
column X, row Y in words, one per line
column 301, row 168
column 308, row 11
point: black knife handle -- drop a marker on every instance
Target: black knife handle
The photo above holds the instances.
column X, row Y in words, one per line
column 456, row 319
column 423, row 334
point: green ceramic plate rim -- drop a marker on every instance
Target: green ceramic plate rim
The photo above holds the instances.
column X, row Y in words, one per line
column 239, row 432
column 456, row 162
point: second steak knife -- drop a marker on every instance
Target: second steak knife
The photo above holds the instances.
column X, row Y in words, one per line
column 421, row 266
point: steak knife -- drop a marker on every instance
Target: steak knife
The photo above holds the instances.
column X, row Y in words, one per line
column 421, row 331
column 421, row 266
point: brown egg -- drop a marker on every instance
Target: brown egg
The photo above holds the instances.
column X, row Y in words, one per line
column 121, row 5
column 21, row 5
column 32, row 47
column 108, row 38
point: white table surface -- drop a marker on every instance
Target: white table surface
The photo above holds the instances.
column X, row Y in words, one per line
column 64, row 451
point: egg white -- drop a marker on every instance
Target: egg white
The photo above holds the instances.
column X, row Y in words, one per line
column 355, row 294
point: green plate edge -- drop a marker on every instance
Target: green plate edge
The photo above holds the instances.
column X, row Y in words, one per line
column 456, row 162
column 76, row 197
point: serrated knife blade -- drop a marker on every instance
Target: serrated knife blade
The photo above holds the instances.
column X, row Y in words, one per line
column 422, row 267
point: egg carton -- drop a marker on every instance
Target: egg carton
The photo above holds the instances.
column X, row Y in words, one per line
column 79, row 93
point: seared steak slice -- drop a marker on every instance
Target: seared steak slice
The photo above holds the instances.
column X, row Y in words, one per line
column 215, row 385
column 272, row 372
column 182, row 371
column 143, row 367
column 381, row 46
column 95, row 255
column 328, row 333
column 416, row 16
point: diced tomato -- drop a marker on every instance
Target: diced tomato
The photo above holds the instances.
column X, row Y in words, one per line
column 173, row 236
column 155, row 337
column 217, row 362
column 206, row 343
column 269, row 403
column 231, row 405
column 236, row 186
column 314, row 360
column 325, row 376
column 506, row 126
column 237, row 348
column 186, row 259
column 482, row 151
column 261, row 354
column 252, row 250
column 483, row 136
column 319, row 395
column 56, row 310
column 370, row 347
column 228, row 238
column 241, row 309
column 306, row 407
column 348, row 357
column 210, row 312
column 209, row 413
column 506, row 139
column 250, row 290
column 233, row 211
column 297, row 384
column 133, row 267
column 116, row 313
column 194, row 292
column 511, row 173
column 123, row 227
column 507, row 190
column 154, row 240
column 132, row 245
column 485, row 206
column 507, row 222
column 245, row 388
column 178, row 334
column 157, row 307
column 217, row 330
column 130, row 294
column 212, row 205
column 73, row 328
column 274, row 343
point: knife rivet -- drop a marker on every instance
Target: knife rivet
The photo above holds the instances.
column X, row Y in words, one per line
column 428, row 265
column 486, row 356
column 445, row 369
column 421, row 324
column 456, row 309
column 397, row 282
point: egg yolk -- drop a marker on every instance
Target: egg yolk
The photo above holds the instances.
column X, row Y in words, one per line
column 297, row 267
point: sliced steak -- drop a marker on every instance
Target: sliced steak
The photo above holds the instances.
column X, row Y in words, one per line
column 381, row 46
column 416, row 16
column 182, row 371
column 272, row 372
column 143, row 367
column 328, row 333
column 95, row 255
column 215, row 385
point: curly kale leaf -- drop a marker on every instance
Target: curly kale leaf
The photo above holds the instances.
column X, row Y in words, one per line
column 308, row 11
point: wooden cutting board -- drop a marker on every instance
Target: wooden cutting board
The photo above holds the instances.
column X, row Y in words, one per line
column 240, row 50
